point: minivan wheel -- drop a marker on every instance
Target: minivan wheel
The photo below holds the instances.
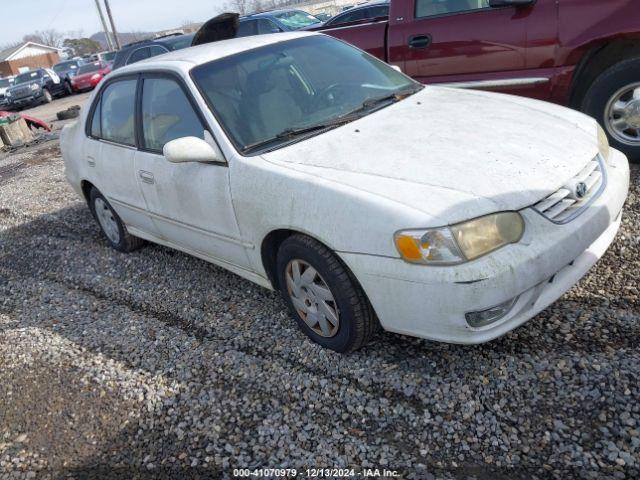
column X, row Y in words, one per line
column 111, row 225
column 614, row 100
column 46, row 94
column 323, row 296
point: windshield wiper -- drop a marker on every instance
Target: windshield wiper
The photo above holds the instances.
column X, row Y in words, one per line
column 293, row 132
column 370, row 103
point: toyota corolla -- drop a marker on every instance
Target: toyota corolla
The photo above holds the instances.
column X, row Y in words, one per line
column 306, row 165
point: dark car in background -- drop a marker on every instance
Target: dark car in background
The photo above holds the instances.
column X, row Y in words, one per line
column 368, row 12
column 66, row 71
column 276, row 21
column 135, row 52
column 34, row 87
column 5, row 83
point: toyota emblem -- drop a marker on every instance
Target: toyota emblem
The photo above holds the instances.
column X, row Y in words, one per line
column 581, row 190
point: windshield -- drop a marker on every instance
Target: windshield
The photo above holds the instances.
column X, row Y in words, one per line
column 63, row 67
column 27, row 77
column 259, row 94
column 4, row 83
column 296, row 19
column 89, row 67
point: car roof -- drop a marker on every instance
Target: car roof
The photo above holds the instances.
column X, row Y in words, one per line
column 186, row 58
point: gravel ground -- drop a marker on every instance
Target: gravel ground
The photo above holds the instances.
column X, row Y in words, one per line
column 156, row 364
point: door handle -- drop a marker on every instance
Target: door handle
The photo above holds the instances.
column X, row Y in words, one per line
column 91, row 161
column 420, row 41
column 146, row 177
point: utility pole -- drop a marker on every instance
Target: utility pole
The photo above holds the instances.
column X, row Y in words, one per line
column 113, row 25
column 104, row 26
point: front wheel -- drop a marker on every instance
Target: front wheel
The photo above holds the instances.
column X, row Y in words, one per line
column 46, row 96
column 111, row 225
column 323, row 296
column 614, row 100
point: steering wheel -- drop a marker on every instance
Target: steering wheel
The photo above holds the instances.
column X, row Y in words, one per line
column 332, row 94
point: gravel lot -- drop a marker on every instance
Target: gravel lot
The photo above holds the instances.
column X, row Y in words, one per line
column 155, row 363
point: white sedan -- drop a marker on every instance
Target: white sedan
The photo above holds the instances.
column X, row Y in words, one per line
column 304, row 164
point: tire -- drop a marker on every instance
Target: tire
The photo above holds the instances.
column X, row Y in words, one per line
column 68, row 89
column 356, row 320
column 599, row 99
column 46, row 96
column 68, row 114
column 117, row 237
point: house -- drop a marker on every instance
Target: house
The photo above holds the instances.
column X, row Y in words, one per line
column 27, row 56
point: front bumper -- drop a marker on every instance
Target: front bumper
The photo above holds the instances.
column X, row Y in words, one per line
column 26, row 101
column 431, row 302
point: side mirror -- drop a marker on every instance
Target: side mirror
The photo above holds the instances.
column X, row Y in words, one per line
column 191, row 149
column 511, row 3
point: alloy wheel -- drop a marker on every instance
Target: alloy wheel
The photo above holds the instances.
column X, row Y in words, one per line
column 622, row 115
column 312, row 298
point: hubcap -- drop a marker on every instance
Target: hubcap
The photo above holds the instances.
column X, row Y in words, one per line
column 312, row 298
column 107, row 220
column 622, row 116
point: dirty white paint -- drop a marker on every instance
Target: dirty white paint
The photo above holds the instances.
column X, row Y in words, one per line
column 436, row 158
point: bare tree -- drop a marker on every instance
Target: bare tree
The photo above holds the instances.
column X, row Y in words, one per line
column 51, row 37
column 240, row 6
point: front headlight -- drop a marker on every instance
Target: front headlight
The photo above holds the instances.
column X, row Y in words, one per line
column 461, row 242
column 603, row 144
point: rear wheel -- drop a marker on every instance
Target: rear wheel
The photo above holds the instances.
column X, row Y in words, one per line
column 614, row 100
column 323, row 296
column 111, row 225
column 68, row 90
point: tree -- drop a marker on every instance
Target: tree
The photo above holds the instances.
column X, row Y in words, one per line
column 240, row 6
column 78, row 47
column 50, row 37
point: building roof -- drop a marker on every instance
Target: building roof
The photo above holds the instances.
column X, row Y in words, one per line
column 10, row 53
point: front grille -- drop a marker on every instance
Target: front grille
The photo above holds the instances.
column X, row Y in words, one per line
column 576, row 195
column 21, row 92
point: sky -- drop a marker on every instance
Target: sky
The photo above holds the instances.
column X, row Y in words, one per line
column 18, row 18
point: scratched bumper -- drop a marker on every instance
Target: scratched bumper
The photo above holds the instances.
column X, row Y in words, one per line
column 431, row 302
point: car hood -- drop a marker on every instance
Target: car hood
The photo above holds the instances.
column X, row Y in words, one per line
column 454, row 154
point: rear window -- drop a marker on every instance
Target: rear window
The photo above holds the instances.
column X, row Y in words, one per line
column 89, row 67
column 63, row 67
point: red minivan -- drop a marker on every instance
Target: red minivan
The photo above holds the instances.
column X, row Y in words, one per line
column 581, row 53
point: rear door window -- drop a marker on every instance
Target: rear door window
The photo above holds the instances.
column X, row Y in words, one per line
column 118, row 112
column 155, row 50
column 248, row 28
column 138, row 55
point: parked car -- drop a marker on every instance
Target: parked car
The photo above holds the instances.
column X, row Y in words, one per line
column 577, row 53
column 5, row 83
column 302, row 164
column 89, row 76
column 107, row 57
column 368, row 12
column 66, row 71
column 276, row 21
column 37, row 86
column 138, row 51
